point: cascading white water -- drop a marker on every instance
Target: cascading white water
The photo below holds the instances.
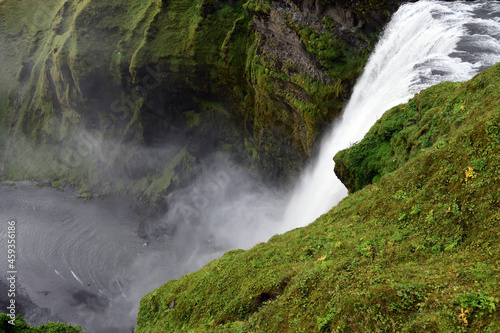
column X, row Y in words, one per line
column 424, row 44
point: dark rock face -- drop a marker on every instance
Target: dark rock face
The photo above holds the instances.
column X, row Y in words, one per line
column 284, row 33
column 282, row 42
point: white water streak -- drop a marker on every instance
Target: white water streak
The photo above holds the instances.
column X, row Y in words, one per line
column 76, row 277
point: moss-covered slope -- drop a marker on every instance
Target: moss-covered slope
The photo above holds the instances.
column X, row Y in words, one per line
column 426, row 121
column 415, row 252
column 86, row 85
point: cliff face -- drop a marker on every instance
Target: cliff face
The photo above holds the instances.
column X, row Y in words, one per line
column 414, row 252
column 103, row 80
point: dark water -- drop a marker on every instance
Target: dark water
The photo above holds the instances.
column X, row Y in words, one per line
column 83, row 262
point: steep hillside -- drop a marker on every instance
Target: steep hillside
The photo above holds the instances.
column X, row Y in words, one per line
column 87, row 86
column 413, row 249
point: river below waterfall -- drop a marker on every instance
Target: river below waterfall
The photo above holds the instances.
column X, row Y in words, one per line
column 84, row 262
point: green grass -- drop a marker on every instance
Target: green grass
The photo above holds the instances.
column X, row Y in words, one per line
column 414, row 252
column 21, row 326
column 424, row 124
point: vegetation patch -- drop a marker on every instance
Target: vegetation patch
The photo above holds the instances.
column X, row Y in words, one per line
column 20, row 326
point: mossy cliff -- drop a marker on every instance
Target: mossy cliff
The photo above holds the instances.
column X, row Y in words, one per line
column 87, row 85
column 413, row 249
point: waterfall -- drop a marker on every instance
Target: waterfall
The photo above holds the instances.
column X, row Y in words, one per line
column 425, row 43
column 84, row 262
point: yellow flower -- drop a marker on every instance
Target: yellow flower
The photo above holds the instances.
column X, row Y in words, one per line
column 463, row 316
column 470, row 173
column 322, row 258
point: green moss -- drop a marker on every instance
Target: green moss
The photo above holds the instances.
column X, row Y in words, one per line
column 21, row 326
column 415, row 252
column 159, row 185
column 259, row 7
column 407, row 130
